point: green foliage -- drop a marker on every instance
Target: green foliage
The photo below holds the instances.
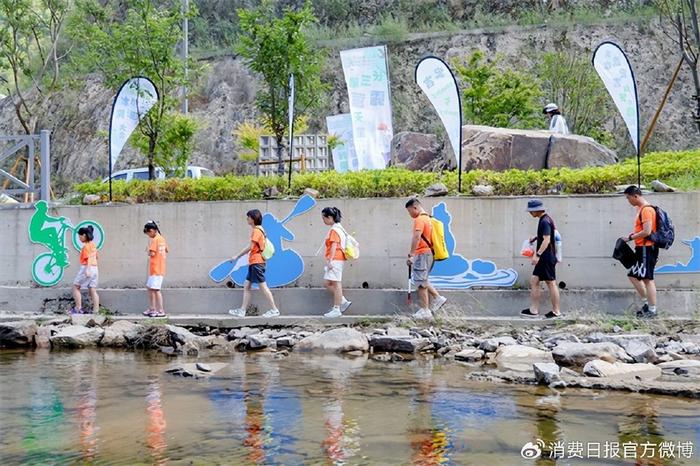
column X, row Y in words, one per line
column 276, row 47
column 569, row 80
column 392, row 182
column 174, row 146
column 141, row 43
column 498, row 97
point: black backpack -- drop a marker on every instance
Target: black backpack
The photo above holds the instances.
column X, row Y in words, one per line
column 665, row 231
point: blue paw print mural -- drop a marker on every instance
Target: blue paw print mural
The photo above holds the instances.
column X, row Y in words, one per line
column 456, row 272
column 693, row 265
column 285, row 266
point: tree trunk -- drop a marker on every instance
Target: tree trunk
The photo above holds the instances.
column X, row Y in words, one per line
column 151, row 156
column 280, row 154
column 696, row 82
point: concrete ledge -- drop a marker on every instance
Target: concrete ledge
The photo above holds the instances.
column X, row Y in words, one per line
column 308, row 302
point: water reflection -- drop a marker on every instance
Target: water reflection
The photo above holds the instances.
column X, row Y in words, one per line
column 117, row 408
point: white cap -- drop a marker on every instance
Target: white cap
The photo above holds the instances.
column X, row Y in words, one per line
column 550, row 107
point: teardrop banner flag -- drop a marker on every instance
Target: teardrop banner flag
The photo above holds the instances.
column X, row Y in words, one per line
column 438, row 82
column 614, row 68
column 134, row 99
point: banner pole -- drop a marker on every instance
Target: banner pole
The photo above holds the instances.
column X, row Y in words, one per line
column 291, row 130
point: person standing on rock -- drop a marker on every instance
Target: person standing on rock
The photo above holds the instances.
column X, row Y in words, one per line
column 256, row 267
column 335, row 260
column 420, row 260
column 557, row 123
column 545, row 262
column 87, row 274
column 641, row 275
column 157, row 253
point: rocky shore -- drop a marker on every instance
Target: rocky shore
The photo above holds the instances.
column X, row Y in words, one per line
column 659, row 357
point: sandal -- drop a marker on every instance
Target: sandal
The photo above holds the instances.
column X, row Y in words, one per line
column 528, row 313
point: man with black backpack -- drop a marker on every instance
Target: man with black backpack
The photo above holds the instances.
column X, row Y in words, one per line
column 647, row 241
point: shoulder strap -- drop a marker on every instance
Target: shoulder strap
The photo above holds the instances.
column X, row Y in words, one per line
column 430, row 245
column 642, row 209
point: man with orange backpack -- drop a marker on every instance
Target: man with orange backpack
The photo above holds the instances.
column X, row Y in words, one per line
column 420, row 260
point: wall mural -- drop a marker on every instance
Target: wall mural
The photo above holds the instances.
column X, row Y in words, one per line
column 48, row 267
column 456, row 272
column 285, row 266
column 692, row 266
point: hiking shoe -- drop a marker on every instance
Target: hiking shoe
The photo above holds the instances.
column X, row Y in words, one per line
column 272, row 313
column 239, row 312
column 423, row 314
column 528, row 313
column 551, row 315
column 345, row 305
column 333, row 313
column 643, row 311
column 438, row 303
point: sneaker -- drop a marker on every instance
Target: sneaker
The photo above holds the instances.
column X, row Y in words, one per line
column 552, row 315
column 423, row 314
column 272, row 313
column 239, row 312
column 528, row 313
column 643, row 311
column 73, row 310
column 438, row 303
column 147, row 312
column 333, row 313
column 345, row 305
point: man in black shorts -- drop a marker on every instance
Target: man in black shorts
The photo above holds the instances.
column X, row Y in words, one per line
column 545, row 262
column 641, row 275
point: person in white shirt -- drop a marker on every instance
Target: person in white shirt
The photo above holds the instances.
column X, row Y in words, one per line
column 557, row 123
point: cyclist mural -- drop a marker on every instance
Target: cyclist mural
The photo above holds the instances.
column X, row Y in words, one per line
column 48, row 267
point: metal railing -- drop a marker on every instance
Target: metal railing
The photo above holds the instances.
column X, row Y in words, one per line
column 29, row 187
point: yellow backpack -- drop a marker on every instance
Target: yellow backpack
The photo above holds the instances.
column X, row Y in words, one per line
column 437, row 239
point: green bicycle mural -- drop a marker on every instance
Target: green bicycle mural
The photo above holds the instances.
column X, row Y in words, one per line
column 48, row 267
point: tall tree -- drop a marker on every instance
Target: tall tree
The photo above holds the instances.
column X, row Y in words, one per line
column 680, row 18
column 143, row 42
column 275, row 47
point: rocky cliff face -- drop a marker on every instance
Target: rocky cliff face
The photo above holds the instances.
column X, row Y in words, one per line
column 79, row 119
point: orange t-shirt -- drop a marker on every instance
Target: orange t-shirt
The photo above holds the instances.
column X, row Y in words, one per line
column 422, row 223
column 648, row 215
column 159, row 248
column 257, row 239
column 334, row 237
column 88, row 254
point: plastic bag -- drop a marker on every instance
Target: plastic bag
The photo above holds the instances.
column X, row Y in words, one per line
column 528, row 248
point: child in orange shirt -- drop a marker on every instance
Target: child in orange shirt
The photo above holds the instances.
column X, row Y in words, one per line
column 256, row 266
column 157, row 252
column 87, row 275
column 335, row 261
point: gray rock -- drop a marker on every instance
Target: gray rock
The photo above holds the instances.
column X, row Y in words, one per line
column 399, row 345
column 338, row 340
column 546, row 372
column 382, row 357
column 18, row 333
column 558, row 384
column 88, row 320
column 661, row 187
column 600, row 368
column 169, row 350
column 42, row 339
column 203, row 367
column 640, row 347
column 193, row 370
column 418, row 151
column 285, row 342
column 120, row 334
column 617, row 329
column 436, row 190
column 76, row 336
column 470, row 355
column 555, row 339
column 89, row 199
column 689, row 367
column 271, row 192
column 243, row 332
column 520, row 357
column 257, row 342
column 492, row 344
column 578, row 354
column 182, row 336
column 482, row 190
column 399, row 332
column 311, row 192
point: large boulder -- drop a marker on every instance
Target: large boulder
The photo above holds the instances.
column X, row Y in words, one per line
column 338, row 340
column 640, row 347
column 399, row 344
column 18, row 333
column 600, row 368
column 489, row 148
column 520, row 357
column 121, row 333
column 578, row 354
column 417, row 151
column 76, row 336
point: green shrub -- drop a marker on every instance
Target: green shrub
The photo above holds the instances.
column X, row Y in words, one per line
column 683, row 167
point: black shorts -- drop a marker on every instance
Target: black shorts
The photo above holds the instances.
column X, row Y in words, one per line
column 256, row 273
column 545, row 270
column 643, row 268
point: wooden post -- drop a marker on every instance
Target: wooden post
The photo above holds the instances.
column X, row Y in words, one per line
column 650, row 130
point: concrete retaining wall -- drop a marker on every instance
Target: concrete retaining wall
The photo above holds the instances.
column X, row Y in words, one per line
column 202, row 234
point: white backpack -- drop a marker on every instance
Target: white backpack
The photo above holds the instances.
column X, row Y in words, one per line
column 349, row 245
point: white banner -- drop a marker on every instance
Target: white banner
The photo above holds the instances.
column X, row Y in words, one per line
column 435, row 78
column 135, row 98
column 616, row 72
column 367, row 78
column 344, row 156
